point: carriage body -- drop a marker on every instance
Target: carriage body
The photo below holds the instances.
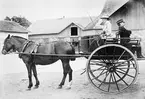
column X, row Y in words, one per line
column 108, row 52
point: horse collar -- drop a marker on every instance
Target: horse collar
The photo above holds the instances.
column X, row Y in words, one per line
column 25, row 44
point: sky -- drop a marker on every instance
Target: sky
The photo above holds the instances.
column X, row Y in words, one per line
column 47, row 9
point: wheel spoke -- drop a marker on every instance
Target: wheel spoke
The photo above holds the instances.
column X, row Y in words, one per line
column 109, row 82
column 122, row 65
column 124, row 61
column 116, row 82
column 114, row 50
column 125, row 73
column 97, row 64
column 98, row 61
column 107, row 73
column 121, row 78
column 125, row 68
column 121, row 55
column 102, row 73
column 114, row 53
column 101, row 68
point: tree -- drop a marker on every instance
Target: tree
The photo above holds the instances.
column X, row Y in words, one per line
column 7, row 18
column 21, row 20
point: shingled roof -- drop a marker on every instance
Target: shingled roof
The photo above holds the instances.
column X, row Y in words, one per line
column 51, row 26
column 112, row 6
column 10, row 26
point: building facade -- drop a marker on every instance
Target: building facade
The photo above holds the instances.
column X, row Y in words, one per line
column 68, row 29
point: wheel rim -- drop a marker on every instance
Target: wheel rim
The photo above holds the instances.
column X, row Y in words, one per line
column 112, row 75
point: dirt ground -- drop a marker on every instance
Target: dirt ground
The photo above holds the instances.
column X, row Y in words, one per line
column 14, row 85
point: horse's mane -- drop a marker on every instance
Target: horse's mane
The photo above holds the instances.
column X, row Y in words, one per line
column 19, row 37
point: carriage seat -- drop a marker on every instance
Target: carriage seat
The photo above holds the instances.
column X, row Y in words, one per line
column 111, row 41
column 134, row 42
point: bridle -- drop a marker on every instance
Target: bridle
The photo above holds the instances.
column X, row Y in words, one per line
column 13, row 49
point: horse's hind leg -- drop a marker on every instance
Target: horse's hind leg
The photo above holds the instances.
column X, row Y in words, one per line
column 70, row 77
column 35, row 75
column 66, row 70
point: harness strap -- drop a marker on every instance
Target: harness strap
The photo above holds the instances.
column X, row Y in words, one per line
column 34, row 49
column 25, row 44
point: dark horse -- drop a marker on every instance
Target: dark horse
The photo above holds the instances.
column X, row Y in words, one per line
column 16, row 43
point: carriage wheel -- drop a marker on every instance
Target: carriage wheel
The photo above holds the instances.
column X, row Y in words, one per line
column 112, row 68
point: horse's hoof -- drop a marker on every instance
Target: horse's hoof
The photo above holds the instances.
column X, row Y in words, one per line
column 36, row 87
column 28, row 89
column 68, row 88
column 59, row 87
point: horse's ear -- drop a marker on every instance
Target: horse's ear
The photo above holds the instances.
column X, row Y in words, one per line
column 8, row 36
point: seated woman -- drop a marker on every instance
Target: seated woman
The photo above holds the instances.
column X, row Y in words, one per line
column 125, row 37
column 107, row 29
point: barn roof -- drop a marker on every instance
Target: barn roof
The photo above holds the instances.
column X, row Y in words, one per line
column 10, row 26
column 51, row 26
column 110, row 7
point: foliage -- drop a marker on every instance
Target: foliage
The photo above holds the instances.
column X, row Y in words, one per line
column 21, row 20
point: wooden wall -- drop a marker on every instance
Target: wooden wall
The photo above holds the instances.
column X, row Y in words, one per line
column 65, row 34
column 133, row 13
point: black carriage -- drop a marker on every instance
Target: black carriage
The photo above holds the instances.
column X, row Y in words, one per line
column 112, row 67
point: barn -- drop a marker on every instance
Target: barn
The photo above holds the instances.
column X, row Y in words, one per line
column 131, row 11
column 68, row 29
column 12, row 28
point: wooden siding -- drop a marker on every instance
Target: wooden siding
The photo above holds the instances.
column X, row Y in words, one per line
column 64, row 34
column 133, row 13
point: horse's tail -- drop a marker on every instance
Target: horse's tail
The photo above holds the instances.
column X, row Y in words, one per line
column 72, row 52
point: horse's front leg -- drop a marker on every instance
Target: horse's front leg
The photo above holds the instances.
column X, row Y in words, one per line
column 63, row 80
column 29, row 69
column 70, row 78
column 66, row 70
column 35, row 75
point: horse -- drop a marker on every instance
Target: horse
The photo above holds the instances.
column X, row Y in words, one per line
column 20, row 44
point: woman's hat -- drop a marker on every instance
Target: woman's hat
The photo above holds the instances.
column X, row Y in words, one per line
column 105, row 17
column 120, row 21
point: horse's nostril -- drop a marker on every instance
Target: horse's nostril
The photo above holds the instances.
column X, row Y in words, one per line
column 4, row 52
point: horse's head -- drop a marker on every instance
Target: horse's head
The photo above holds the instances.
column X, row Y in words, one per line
column 8, row 45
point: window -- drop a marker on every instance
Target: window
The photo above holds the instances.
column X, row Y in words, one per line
column 74, row 31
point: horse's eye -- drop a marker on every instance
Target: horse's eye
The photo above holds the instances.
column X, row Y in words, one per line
column 7, row 41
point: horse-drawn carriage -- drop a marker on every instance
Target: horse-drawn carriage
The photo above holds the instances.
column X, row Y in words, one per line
column 110, row 67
